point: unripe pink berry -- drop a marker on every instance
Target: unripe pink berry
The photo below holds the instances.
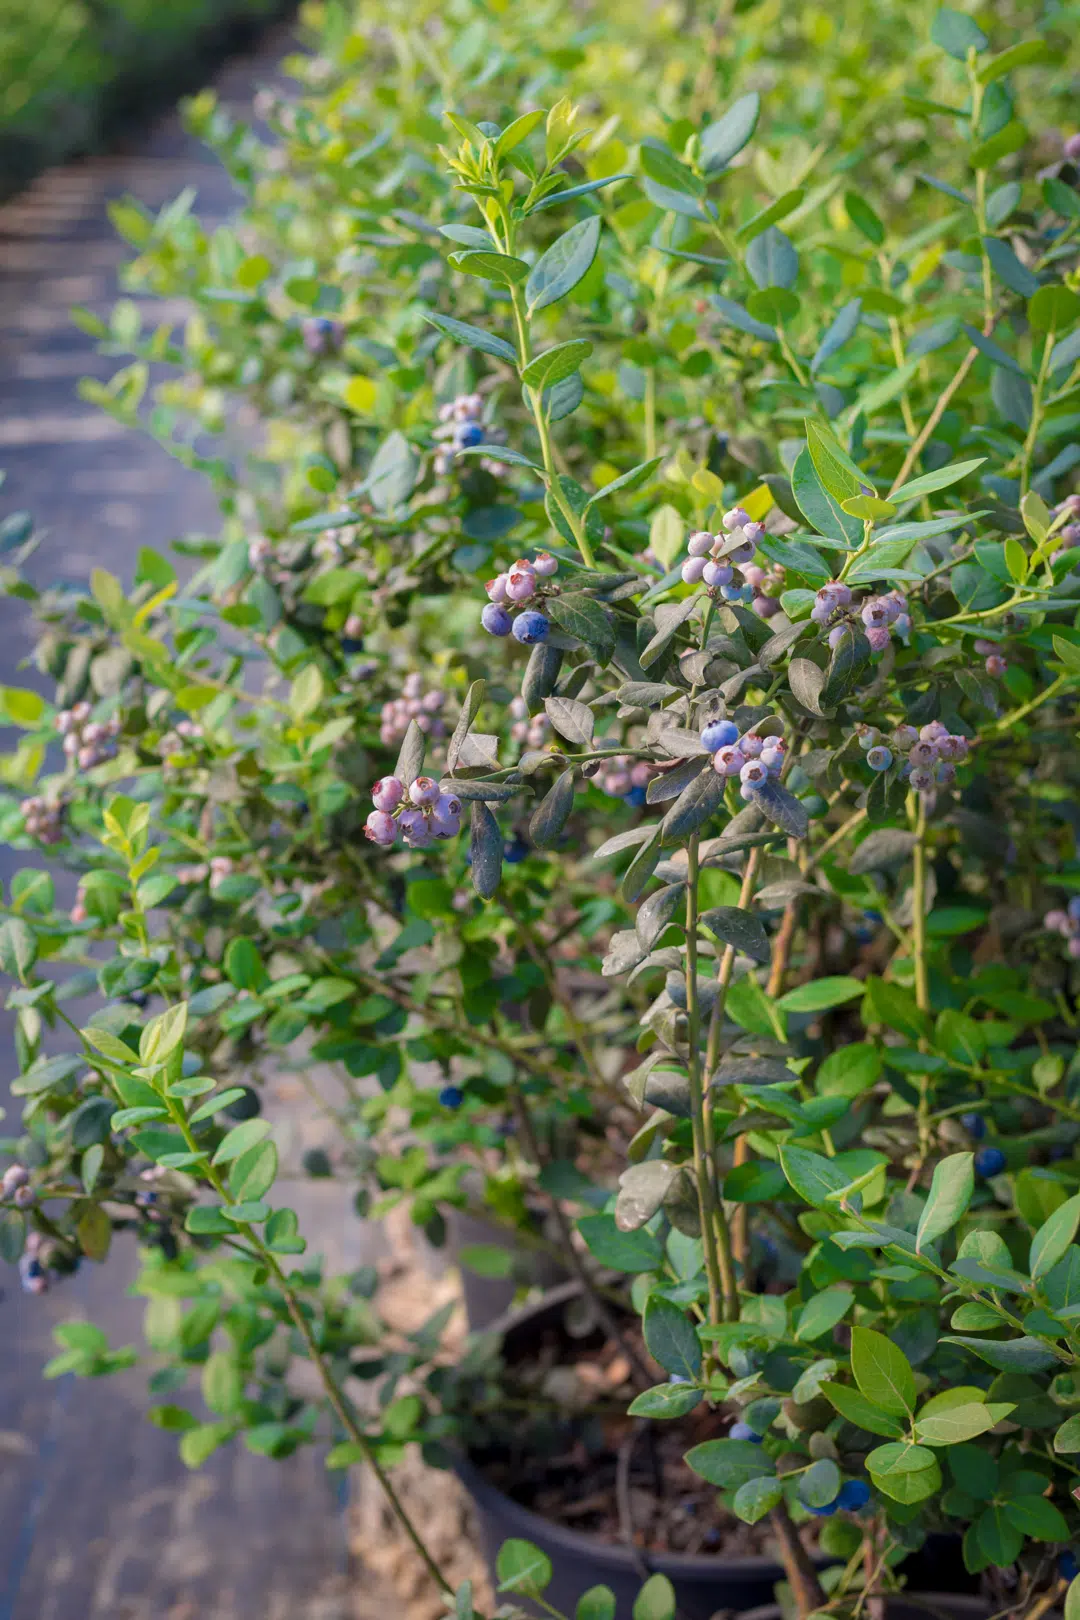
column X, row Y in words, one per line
column 79, row 912
column 700, row 543
column 387, row 793
column 836, row 635
column 737, row 518
column 446, row 816
column 878, row 637
column 380, row 827
column 496, row 588
column 545, row 564
column 413, row 826
column 751, row 745
column 765, row 606
column 693, row 570
column 1071, row 148
column 729, row 761
column 15, row 1176
column 923, row 753
column 425, row 790
column 520, row 583
column 24, row 1197
column 717, row 573
column 754, row 532
column 753, row 574
column 1054, row 921
column 996, row 665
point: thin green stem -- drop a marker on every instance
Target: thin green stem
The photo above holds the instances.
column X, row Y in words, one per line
column 1036, row 415
column 703, row 1168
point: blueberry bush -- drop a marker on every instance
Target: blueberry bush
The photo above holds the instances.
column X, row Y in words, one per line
column 626, row 730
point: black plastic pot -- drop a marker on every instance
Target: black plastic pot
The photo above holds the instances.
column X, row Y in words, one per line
column 705, row 1584
column 488, row 1299
column 909, row 1606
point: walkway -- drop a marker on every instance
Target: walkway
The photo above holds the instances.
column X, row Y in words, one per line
column 98, row 1518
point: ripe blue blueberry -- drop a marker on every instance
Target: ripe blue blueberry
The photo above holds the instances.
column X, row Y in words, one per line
column 1073, row 907
column 515, row 850
column 469, row 435
column 743, row 1431
column 351, row 644
column 974, row 1124
column 824, row 1512
column 635, row 798
column 451, row 1096
column 1068, row 1567
column 854, row 1495
column 719, row 734
column 989, row 1162
column 879, row 759
column 530, row 627
column 495, row 620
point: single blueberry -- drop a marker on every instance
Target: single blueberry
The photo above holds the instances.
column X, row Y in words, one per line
column 743, row 1431
column 351, row 644
column 468, row 436
column 451, row 1096
column 635, row 797
column 1073, row 907
column 514, row 851
column 719, row 734
column 529, row 627
column 1068, row 1567
column 496, row 621
column 825, row 1512
column 989, row 1161
column 853, row 1496
column 975, row 1125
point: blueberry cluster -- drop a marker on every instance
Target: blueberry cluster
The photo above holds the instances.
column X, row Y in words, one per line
column 321, row 335
column 750, row 757
column 461, row 428
column 852, row 1497
column 1071, row 148
column 879, row 615
column 623, row 777
column 1067, row 924
column 173, row 741
column 87, row 742
column 506, row 592
column 531, row 731
column 15, row 1187
column 44, row 818
column 715, row 560
column 421, row 813
column 930, row 755
column 1068, row 536
column 413, row 704
column 994, row 663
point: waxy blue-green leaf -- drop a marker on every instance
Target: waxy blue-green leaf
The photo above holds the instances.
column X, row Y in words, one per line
column 927, row 483
column 670, row 1338
column 735, row 315
column 724, row 139
column 565, row 263
column 472, row 336
column 666, row 1401
column 842, row 328
column 551, row 367
column 571, row 192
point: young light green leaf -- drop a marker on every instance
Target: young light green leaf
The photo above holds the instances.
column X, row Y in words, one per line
column 931, row 481
column 1054, row 1237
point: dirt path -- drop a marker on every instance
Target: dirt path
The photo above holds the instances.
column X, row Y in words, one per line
column 98, row 1518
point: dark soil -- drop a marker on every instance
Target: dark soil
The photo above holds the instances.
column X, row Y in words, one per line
column 582, row 1463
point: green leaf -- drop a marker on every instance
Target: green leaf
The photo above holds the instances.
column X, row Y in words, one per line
column 555, row 364
column 905, row 1472
column 656, row 1600
column 1067, row 1437
column 738, row 928
column 1054, row 1237
column 818, row 1486
column 521, row 1567
column 239, row 1139
column 882, row 1371
column 864, row 219
column 1007, row 1355
column 598, row 1603
column 950, row 1194
column 955, row 1424
column 840, row 331
column 670, row 1338
column 666, row 1401
column 927, row 483
column 863, row 1413
column 472, row 336
column 956, row 33
column 18, row 948
column 771, row 260
column 998, row 1538
column 849, row 659
column 722, row 140
column 756, row 1498
column 565, row 263
column 663, row 167
column 198, row 1444
column 820, row 994
column 811, row 1175
column 491, row 266
column 553, row 812
column 580, row 616
column 244, row 966
column 222, row 1382
column 622, row 1251
column 1008, row 268
column 1024, row 54
column 822, row 1312
column 630, row 480
column 253, row 1173
column 730, row 1463
column 1034, row 1516
column 1053, row 308
column 486, row 850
